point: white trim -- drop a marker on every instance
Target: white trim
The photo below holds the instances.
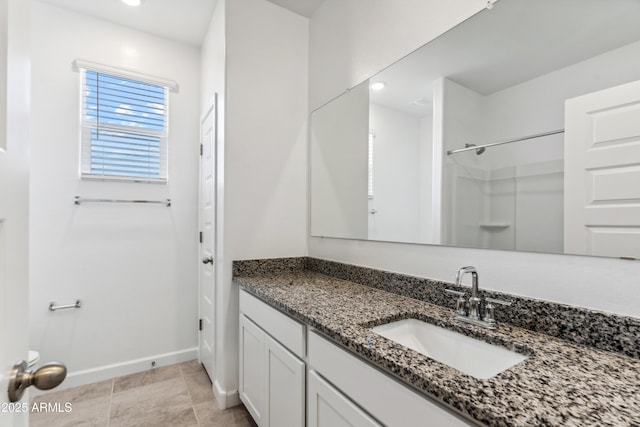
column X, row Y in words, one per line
column 106, row 372
column 127, row 73
column 225, row 399
column 93, row 177
column 211, row 110
column 211, row 105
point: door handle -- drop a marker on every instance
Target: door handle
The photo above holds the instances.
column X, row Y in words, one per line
column 48, row 376
column 207, row 260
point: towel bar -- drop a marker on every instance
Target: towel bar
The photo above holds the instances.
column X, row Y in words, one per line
column 54, row 307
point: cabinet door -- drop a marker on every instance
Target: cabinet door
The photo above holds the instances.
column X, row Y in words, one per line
column 252, row 370
column 285, row 378
column 330, row 408
column 389, row 401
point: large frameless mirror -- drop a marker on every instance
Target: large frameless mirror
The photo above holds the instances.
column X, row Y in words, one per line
column 519, row 129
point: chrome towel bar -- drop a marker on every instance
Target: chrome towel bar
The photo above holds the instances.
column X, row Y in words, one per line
column 79, row 200
column 54, row 307
column 509, row 141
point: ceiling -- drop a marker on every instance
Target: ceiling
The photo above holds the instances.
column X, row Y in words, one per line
column 301, row 7
column 182, row 20
column 186, row 21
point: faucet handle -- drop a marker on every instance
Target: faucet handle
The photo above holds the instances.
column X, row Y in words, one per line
column 490, row 312
column 498, row 301
column 490, row 309
column 461, row 302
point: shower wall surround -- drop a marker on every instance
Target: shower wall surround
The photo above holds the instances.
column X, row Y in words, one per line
column 604, row 331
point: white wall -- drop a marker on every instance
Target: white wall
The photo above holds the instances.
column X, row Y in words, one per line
column 463, row 189
column 212, row 61
column 133, row 266
column 396, row 169
column 263, row 188
column 500, row 199
column 346, row 47
column 266, row 130
column 4, row 20
column 338, row 138
column 426, row 179
column 540, row 230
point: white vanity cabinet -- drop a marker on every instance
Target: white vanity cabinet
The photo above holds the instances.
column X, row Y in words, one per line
column 341, row 390
column 272, row 376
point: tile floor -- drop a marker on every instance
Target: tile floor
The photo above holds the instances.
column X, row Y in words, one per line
column 172, row 396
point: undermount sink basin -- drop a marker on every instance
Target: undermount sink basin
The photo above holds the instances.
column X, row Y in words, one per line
column 471, row 356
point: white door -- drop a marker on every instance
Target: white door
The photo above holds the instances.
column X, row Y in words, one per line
column 253, row 385
column 602, row 173
column 14, row 193
column 208, row 239
column 330, row 408
column 285, row 386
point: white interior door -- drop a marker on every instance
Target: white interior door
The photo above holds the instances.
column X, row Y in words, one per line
column 14, row 193
column 602, row 173
column 207, row 239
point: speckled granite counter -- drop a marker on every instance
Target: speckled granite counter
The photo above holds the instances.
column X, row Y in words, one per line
column 560, row 384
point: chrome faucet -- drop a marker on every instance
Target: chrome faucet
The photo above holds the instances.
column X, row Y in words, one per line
column 474, row 301
column 474, row 315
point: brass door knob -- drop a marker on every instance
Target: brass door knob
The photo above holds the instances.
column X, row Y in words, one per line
column 46, row 377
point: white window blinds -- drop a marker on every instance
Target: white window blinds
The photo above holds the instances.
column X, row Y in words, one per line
column 124, row 128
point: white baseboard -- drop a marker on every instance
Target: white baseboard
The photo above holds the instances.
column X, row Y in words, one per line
column 225, row 399
column 106, row 372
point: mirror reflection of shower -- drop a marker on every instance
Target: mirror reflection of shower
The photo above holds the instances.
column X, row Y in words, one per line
column 469, row 90
column 510, row 198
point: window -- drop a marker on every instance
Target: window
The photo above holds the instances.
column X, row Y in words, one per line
column 124, row 128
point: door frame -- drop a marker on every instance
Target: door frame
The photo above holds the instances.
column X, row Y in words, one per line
column 212, row 108
column 15, row 82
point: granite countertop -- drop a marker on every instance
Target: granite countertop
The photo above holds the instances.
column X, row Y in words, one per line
column 560, row 384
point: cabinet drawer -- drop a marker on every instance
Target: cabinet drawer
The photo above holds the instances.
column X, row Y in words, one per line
column 389, row 401
column 285, row 330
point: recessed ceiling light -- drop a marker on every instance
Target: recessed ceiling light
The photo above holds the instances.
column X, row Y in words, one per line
column 132, row 2
column 378, row 85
